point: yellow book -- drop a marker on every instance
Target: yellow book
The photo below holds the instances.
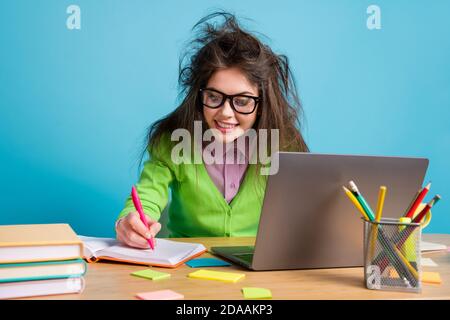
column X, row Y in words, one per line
column 217, row 275
column 39, row 242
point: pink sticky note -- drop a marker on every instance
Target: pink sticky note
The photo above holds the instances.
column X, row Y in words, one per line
column 160, row 295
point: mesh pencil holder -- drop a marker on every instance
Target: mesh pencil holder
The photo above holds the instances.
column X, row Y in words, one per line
column 392, row 255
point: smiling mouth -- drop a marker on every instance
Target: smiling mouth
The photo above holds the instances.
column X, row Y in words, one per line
column 225, row 126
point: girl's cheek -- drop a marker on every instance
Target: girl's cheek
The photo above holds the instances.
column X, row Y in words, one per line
column 246, row 123
column 208, row 115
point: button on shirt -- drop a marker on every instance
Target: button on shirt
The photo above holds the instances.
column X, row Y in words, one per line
column 228, row 175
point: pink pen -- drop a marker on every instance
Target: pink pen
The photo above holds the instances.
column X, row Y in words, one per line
column 138, row 206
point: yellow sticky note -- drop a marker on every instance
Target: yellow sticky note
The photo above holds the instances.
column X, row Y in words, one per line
column 151, row 274
column 431, row 277
column 217, row 275
column 256, row 293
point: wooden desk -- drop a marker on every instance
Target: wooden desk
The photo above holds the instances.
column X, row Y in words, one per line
column 113, row 280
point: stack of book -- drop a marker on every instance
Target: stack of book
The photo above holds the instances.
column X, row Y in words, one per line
column 41, row 259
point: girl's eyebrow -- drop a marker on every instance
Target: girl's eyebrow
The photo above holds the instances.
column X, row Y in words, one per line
column 244, row 92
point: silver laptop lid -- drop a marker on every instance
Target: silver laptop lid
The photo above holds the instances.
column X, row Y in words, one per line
column 307, row 221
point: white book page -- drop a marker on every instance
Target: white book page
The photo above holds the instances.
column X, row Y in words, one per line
column 93, row 245
column 39, row 253
column 166, row 251
column 22, row 289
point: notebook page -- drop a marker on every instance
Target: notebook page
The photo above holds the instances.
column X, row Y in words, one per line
column 166, row 252
column 199, row 248
column 93, row 245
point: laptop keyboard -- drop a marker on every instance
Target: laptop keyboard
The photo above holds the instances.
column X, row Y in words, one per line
column 247, row 257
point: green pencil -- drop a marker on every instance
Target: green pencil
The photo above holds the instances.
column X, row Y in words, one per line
column 361, row 200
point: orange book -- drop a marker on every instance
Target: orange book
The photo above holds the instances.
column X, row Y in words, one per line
column 39, row 242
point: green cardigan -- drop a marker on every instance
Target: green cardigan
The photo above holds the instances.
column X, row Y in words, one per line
column 197, row 208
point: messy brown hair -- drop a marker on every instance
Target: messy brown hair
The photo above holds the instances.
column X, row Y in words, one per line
column 229, row 45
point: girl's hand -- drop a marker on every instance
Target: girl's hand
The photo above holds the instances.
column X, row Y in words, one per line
column 132, row 231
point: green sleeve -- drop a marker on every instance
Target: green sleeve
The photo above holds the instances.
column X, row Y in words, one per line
column 153, row 186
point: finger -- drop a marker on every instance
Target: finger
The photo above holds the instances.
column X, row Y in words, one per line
column 138, row 226
column 121, row 236
column 137, row 241
column 118, row 222
column 155, row 228
column 126, row 235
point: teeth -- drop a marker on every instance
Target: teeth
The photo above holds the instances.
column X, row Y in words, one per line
column 225, row 125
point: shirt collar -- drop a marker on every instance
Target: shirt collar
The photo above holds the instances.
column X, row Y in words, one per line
column 242, row 150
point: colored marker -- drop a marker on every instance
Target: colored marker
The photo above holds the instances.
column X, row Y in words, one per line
column 138, row 206
column 421, row 195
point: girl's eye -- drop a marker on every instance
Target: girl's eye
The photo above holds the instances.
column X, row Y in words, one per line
column 213, row 97
column 241, row 101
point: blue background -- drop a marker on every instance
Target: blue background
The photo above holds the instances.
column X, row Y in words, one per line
column 75, row 104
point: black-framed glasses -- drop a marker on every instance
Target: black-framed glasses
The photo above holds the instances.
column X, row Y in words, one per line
column 240, row 103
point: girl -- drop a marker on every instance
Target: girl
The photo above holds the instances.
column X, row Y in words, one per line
column 231, row 83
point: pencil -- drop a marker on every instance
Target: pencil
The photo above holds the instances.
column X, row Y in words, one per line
column 361, row 200
column 353, row 199
column 412, row 202
column 419, row 217
column 380, row 203
column 417, row 201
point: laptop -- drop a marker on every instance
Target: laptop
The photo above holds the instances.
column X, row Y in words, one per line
column 308, row 222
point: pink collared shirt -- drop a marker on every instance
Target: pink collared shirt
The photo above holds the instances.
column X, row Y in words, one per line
column 228, row 175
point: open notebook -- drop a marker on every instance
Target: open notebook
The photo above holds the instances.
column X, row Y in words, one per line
column 167, row 253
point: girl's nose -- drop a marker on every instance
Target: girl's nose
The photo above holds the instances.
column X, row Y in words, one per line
column 226, row 109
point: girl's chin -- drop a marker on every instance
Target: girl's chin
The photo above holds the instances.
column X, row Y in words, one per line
column 224, row 138
column 228, row 136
